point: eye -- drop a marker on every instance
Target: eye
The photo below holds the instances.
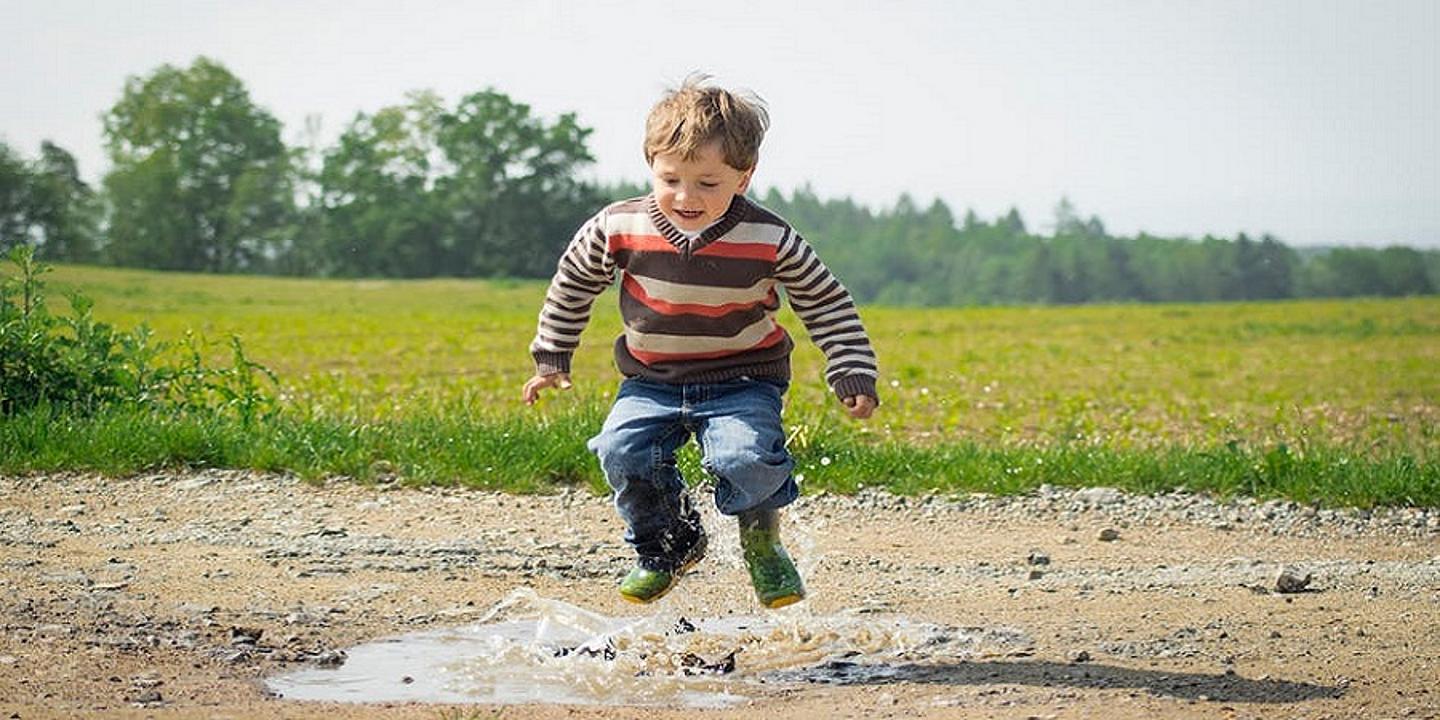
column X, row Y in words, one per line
column 709, row 185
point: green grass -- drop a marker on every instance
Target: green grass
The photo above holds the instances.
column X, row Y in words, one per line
column 1329, row 401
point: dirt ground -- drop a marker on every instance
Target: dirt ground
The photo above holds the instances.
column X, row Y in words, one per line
column 174, row 596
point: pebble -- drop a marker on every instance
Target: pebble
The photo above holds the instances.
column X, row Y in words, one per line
column 1099, row 496
column 147, row 698
column 245, row 636
column 1109, row 535
column 1292, row 580
column 330, row 658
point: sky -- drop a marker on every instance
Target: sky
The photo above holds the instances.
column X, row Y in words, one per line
column 1317, row 121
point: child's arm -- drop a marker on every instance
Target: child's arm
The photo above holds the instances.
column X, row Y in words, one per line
column 829, row 314
column 585, row 269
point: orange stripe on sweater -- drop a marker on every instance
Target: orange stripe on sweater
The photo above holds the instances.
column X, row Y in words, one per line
column 633, row 288
column 643, row 243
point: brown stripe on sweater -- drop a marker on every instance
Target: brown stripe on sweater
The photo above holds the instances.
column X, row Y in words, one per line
column 647, row 320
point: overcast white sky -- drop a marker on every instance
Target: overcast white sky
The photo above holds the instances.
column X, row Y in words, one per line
column 1315, row 120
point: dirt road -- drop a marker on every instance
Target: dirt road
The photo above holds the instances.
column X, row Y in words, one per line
column 175, row 595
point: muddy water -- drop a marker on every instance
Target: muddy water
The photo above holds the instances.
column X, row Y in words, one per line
column 532, row 649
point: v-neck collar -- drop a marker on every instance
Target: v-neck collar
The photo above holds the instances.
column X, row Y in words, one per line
column 687, row 245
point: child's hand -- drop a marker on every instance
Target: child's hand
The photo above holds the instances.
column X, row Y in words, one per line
column 534, row 385
column 860, row 406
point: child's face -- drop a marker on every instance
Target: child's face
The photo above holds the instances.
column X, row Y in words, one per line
column 695, row 193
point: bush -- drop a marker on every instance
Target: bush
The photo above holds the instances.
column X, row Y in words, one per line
column 72, row 362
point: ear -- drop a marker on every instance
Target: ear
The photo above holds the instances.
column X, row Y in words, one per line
column 745, row 181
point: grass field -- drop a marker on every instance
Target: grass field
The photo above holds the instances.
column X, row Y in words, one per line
column 1264, row 398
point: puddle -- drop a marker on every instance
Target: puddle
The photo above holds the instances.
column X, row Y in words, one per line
column 531, row 649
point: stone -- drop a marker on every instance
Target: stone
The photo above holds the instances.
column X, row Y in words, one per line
column 245, row 636
column 330, row 658
column 1292, row 580
column 147, row 697
column 1109, row 535
column 194, row 483
column 1099, row 496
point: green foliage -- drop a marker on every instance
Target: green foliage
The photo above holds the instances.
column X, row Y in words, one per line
column 73, row 362
column 908, row 256
column 64, row 208
column 200, row 179
column 15, row 184
column 45, row 204
column 483, row 188
column 1348, row 272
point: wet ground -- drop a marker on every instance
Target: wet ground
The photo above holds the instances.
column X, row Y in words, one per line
column 234, row 595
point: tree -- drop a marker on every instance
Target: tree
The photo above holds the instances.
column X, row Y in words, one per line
column 200, row 179
column 14, row 199
column 1012, row 224
column 513, row 198
column 45, row 204
column 63, row 208
column 483, row 189
column 377, row 215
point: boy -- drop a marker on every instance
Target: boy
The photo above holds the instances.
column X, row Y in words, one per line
column 701, row 353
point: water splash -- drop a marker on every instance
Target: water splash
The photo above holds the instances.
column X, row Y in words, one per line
column 531, row 649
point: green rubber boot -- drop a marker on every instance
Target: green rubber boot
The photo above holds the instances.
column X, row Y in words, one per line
column 644, row 585
column 777, row 582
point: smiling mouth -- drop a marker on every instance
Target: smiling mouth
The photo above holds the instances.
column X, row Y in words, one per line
column 690, row 214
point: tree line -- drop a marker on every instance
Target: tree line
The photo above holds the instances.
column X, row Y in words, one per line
column 200, row 179
column 908, row 255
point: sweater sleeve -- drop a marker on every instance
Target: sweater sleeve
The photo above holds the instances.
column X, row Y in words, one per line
column 585, row 269
column 829, row 314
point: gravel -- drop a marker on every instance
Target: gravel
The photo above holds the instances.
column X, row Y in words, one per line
column 372, row 539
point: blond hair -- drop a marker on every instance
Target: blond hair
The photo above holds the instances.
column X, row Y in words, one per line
column 696, row 114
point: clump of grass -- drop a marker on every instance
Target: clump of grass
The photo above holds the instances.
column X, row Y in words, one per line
column 77, row 364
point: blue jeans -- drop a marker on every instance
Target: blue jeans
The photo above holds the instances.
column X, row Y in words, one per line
column 737, row 425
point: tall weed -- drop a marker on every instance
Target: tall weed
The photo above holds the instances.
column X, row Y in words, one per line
column 74, row 363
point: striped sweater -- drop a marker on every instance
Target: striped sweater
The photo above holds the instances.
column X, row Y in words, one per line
column 702, row 309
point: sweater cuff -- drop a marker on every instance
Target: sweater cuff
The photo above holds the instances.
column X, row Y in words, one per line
column 549, row 363
column 852, row 385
